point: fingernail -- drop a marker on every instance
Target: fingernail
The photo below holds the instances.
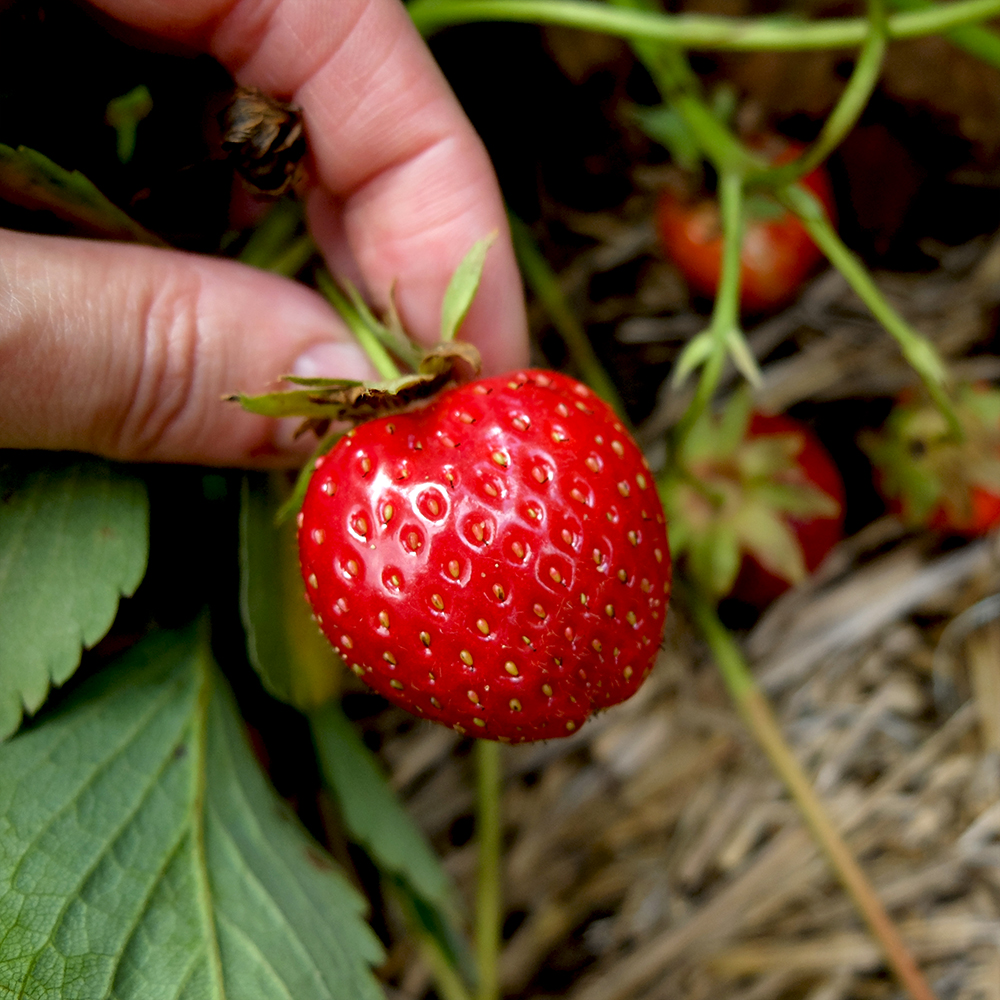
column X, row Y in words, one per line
column 330, row 359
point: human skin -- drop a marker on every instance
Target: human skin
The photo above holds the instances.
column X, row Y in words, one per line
column 126, row 351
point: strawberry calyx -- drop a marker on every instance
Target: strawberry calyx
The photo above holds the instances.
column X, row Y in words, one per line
column 323, row 402
column 929, row 476
column 739, row 491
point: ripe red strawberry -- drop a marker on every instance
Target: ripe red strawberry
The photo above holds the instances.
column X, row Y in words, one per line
column 929, row 478
column 757, row 505
column 495, row 560
column 777, row 253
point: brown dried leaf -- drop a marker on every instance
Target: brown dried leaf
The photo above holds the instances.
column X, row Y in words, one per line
column 265, row 140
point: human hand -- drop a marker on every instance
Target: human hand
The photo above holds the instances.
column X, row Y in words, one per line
column 126, row 351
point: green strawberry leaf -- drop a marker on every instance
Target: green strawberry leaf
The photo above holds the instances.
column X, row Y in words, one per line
column 74, row 537
column 294, row 659
column 143, row 854
column 462, row 288
column 373, row 815
column 33, row 181
column 375, row 819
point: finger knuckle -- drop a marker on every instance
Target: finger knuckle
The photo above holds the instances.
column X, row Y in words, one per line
column 163, row 404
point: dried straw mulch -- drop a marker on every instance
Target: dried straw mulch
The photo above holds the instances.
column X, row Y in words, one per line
column 654, row 855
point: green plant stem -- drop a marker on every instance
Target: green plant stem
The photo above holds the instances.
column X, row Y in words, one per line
column 488, row 896
column 294, row 257
column 679, row 86
column 726, row 309
column 377, row 354
column 975, row 39
column 919, row 352
column 848, row 108
column 759, row 717
column 724, row 333
column 272, row 235
column 700, row 31
column 544, row 283
column 447, row 981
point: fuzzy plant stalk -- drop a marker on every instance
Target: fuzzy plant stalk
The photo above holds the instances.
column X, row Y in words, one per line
column 846, row 112
column 756, row 712
column 702, row 31
column 541, row 279
column 447, row 982
column 919, row 352
column 977, row 40
column 489, row 778
column 724, row 336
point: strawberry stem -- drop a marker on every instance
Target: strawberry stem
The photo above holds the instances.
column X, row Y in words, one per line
column 701, row 31
column 545, row 284
column 724, row 333
column 362, row 330
column 918, row 351
column 753, row 706
column 488, row 897
column 845, row 114
column 447, row 982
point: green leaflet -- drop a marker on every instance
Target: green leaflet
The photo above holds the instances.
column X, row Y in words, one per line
column 292, row 656
column 74, row 536
column 462, row 288
column 123, row 114
column 143, row 854
column 374, row 817
column 30, row 179
column 371, row 810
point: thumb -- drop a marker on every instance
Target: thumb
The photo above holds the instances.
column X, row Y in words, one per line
column 127, row 351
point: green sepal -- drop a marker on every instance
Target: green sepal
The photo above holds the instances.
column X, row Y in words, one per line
column 923, row 465
column 695, row 353
column 733, row 496
column 462, row 288
column 714, row 558
column 767, row 537
column 701, row 347
column 742, row 357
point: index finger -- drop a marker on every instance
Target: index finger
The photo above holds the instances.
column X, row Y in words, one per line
column 405, row 185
